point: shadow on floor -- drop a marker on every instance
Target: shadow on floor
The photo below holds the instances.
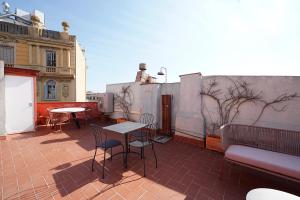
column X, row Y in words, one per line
column 184, row 171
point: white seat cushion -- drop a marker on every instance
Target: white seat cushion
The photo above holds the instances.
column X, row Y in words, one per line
column 272, row 161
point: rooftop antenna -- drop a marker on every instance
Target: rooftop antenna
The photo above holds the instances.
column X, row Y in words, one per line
column 5, row 7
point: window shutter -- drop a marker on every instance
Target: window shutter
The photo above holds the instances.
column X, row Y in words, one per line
column 7, row 54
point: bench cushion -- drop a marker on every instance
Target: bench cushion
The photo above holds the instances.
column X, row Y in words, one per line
column 284, row 164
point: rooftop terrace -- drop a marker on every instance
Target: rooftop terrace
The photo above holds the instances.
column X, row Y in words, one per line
column 57, row 165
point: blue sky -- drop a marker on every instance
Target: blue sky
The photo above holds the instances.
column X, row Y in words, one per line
column 214, row 37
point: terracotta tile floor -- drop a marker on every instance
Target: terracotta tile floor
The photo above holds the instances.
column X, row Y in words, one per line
column 55, row 165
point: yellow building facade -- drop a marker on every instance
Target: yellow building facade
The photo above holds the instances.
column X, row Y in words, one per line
column 57, row 55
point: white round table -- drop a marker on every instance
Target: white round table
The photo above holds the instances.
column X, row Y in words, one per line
column 68, row 110
column 269, row 194
column 71, row 110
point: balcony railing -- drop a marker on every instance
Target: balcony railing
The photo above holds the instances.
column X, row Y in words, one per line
column 51, row 69
column 47, row 70
column 13, row 28
column 24, row 30
column 8, row 65
column 51, row 34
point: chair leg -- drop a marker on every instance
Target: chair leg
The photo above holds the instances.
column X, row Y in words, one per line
column 141, row 153
column 111, row 155
column 94, row 159
column 103, row 167
column 154, row 155
column 144, row 160
column 47, row 122
column 54, row 125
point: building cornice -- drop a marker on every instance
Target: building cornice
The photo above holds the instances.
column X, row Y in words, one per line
column 37, row 41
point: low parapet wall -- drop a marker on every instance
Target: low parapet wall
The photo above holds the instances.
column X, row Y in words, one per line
column 43, row 113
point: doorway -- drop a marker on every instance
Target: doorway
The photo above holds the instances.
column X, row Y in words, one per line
column 19, row 104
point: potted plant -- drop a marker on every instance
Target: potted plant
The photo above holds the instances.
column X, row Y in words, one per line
column 213, row 137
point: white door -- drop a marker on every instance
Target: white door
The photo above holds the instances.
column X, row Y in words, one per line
column 19, row 101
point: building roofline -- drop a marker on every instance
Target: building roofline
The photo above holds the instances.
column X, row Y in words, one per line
column 199, row 73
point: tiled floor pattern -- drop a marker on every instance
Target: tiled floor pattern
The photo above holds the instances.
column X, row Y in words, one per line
column 57, row 165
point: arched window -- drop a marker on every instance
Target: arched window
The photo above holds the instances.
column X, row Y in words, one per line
column 50, row 89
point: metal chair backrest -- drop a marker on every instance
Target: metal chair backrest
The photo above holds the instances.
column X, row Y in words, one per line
column 146, row 118
column 99, row 135
column 152, row 130
column 51, row 114
column 62, row 117
column 88, row 112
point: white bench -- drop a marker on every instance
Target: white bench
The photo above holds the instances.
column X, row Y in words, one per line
column 270, row 150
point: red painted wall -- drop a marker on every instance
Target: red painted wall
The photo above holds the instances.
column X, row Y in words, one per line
column 43, row 113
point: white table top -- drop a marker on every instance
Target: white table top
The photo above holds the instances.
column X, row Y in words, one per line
column 125, row 127
column 68, row 110
column 266, row 194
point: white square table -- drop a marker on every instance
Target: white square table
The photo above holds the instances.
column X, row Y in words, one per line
column 124, row 129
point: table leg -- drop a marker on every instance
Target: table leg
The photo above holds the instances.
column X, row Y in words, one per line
column 75, row 120
column 126, row 150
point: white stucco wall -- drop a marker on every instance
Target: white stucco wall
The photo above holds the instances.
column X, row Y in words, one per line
column 189, row 121
column 135, row 94
column 2, row 99
column 147, row 99
column 150, row 100
column 271, row 87
column 80, row 79
column 187, row 104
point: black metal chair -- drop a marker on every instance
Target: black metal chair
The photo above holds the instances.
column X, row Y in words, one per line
column 142, row 140
column 50, row 118
column 145, row 118
column 101, row 141
column 85, row 116
column 55, row 119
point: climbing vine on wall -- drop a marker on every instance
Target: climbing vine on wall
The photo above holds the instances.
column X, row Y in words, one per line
column 124, row 100
column 233, row 98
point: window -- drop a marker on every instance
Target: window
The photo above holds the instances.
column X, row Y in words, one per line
column 50, row 58
column 7, row 54
column 50, row 89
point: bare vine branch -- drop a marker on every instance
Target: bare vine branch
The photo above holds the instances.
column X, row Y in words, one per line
column 237, row 95
column 280, row 99
column 124, row 100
